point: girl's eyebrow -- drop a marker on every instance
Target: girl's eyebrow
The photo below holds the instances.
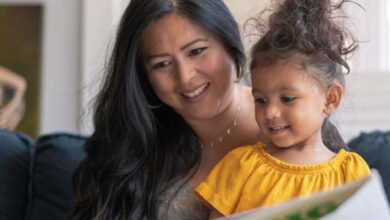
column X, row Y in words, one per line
column 287, row 88
column 255, row 90
column 283, row 88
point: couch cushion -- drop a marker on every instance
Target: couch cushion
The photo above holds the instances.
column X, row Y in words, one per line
column 374, row 147
column 56, row 158
column 16, row 151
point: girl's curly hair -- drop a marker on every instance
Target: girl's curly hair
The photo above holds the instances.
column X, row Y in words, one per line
column 306, row 32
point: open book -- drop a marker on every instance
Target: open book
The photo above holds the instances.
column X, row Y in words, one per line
column 363, row 199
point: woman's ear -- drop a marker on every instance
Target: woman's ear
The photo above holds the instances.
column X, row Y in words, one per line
column 333, row 97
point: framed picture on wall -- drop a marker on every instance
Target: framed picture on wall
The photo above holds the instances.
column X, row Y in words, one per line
column 41, row 41
column 21, row 29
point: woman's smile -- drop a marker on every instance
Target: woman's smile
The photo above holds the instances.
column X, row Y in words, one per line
column 196, row 95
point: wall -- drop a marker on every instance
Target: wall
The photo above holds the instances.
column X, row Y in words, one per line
column 366, row 106
column 97, row 28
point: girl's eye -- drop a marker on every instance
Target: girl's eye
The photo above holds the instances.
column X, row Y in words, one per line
column 161, row 65
column 287, row 99
column 261, row 100
column 197, row 51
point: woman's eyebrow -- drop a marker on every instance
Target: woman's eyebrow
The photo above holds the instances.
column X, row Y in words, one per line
column 150, row 57
column 192, row 42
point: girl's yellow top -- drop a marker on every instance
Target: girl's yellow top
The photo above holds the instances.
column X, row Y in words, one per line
column 249, row 177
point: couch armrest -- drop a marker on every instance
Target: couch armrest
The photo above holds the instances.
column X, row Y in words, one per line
column 16, row 152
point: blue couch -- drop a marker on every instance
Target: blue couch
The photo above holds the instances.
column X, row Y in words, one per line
column 375, row 149
column 35, row 176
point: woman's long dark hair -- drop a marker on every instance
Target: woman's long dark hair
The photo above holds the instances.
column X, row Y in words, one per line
column 136, row 152
column 306, row 32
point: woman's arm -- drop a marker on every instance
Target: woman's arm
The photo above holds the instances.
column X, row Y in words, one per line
column 215, row 214
column 12, row 112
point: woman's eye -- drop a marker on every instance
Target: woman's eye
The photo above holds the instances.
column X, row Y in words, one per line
column 197, row 51
column 287, row 99
column 161, row 65
column 261, row 100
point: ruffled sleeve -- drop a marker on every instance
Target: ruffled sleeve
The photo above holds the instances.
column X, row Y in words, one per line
column 354, row 167
column 223, row 187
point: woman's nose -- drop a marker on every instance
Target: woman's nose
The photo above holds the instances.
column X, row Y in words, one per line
column 184, row 72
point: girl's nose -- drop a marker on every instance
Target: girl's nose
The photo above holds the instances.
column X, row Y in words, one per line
column 272, row 111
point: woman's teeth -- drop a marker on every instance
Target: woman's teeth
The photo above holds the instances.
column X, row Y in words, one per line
column 196, row 92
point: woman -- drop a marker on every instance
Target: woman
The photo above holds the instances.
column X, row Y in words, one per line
column 169, row 110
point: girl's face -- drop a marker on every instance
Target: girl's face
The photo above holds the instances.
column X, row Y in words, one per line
column 290, row 105
column 188, row 68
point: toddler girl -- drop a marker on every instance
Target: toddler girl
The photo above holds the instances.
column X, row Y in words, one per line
column 297, row 83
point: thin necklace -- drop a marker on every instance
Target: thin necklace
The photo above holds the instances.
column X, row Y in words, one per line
column 226, row 132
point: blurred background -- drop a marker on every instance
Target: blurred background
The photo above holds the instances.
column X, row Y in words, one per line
column 60, row 48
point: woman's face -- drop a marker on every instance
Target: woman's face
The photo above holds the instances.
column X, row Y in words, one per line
column 188, row 68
